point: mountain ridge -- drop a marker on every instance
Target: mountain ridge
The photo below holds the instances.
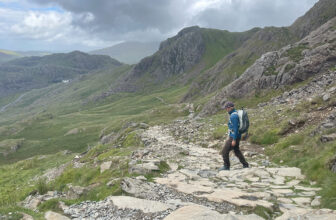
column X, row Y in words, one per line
column 130, row 52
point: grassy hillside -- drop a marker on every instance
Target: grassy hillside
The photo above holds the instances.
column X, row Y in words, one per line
column 29, row 73
column 72, row 116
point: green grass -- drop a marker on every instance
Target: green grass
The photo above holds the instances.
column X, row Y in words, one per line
column 163, row 167
column 295, row 53
column 16, row 212
column 46, row 132
column 220, row 132
column 271, row 71
column 16, row 179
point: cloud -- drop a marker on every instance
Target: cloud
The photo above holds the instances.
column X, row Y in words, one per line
column 119, row 18
column 240, row 15
column 46, row 27
column 99, row 23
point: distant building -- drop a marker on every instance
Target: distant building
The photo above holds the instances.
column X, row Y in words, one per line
column 65, row 80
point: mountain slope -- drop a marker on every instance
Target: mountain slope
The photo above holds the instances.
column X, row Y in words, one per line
column 264, row 40
column 295, row 63
column 6, row 56
column 181, row 58
column 129, row 52
column 319, row 14
column 36, row 72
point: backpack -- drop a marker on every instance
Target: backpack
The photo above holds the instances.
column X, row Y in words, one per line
column 244, row 122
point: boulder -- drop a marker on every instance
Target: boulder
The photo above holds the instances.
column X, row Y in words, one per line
column 31, row 202
column 75, row 192
column 137, row 188
column 316, row 201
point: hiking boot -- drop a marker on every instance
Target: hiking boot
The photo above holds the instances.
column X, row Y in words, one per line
column 223, row 168
column 246, row 166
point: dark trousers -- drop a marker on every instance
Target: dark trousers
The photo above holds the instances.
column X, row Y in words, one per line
column 226, row 152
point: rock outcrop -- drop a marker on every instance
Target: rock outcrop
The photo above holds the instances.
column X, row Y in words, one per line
column 176, row 55
column 315, row 54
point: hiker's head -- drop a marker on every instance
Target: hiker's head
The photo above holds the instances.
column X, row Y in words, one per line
column 229, row 106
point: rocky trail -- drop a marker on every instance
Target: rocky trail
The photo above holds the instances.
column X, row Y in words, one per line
column 194, row 189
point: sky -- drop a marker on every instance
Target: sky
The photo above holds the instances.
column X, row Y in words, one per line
column 66, row 25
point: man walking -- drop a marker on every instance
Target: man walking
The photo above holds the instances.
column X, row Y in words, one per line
column 234, row 138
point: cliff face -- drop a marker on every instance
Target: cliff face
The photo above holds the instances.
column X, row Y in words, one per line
column 264, row 40
column 294, row 63
column 176, row 55
column 231, row 66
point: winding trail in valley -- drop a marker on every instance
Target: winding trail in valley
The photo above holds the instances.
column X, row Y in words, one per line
column 2, row 109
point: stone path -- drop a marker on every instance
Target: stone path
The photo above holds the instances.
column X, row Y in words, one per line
column 194, row 189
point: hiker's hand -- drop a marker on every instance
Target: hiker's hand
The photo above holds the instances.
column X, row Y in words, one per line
column 233, row 143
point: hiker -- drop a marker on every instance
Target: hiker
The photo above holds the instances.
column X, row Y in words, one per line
column 232, row 143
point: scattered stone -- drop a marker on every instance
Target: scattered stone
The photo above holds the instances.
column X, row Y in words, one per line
column 55, row 216
column 144, row 168
column 53, row 173
column 137, row 188
column 326, row 97
column 332, row 164
column 147, row 206
column 31, row 202
column 25, row 217
column 328, row 138
column 113, row 182
column 105, row 166
column 75, row 192
column 316, row 201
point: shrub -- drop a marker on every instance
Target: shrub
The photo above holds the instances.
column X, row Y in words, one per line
column 42, row 186
column 51, row 204
column 267, row 138
column 295, row 53
column 220, row 132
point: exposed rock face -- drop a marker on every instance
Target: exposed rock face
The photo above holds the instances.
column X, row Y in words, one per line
column 315, row 17
column 314, row 54
column 175, row 56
